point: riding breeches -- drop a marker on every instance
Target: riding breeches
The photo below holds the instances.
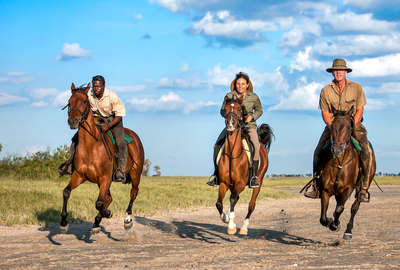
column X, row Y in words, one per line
column 122, row 147
column 254, row 139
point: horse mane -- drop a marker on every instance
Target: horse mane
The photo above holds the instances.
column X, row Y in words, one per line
column 81, row 88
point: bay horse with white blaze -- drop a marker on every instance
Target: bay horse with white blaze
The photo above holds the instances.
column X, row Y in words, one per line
column 94, row 163
column 233, row 168
column 342, row 173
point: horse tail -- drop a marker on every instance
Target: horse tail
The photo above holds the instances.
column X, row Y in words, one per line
column 266, row 134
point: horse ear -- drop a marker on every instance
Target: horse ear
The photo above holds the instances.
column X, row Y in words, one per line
column 87, row 88
column 350, row 112
column 72, row 87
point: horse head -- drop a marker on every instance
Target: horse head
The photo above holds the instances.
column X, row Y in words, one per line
column 341, row 131
column 78, row 106
column 233, row 113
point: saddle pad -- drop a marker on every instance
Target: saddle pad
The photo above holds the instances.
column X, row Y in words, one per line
column 353, row 140
column 245, row 148
column 127, row 138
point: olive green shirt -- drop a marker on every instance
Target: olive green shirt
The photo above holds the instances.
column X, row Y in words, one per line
column 251, row 105
column 352, row 96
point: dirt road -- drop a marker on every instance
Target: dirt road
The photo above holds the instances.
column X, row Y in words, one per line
column 283, row 234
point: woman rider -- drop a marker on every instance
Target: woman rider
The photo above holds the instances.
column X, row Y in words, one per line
column 242, row 88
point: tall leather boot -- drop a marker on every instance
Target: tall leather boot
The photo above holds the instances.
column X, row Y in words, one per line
column 365, row 166
column 254, row 180
column 120, row 175
column 67, row 166
column 213, row 180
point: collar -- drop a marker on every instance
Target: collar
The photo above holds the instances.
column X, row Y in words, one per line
column 105, row 94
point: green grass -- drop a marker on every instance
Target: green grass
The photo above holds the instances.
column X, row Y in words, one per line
column 39, row 201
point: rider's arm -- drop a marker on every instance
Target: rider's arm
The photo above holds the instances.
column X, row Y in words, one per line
column 106, row 126
column 326, row 116
column 358, row 116
column 258, row 111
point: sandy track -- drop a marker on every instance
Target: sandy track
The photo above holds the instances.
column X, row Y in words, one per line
column 283, row 234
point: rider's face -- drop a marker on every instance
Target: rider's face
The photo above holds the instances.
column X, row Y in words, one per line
column 339, row 75
column 98, row 88
column 241, row 85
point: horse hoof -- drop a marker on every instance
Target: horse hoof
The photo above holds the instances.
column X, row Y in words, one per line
column 347, row 236
column 243, row 231
column 334, row 228
column 95, row 230
column 108, row 214
column 231, row 230
column 225, row 218
column 64, row 229
column 128, row 224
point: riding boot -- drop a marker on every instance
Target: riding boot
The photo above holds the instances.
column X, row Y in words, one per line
column 120, row 175
column 67, row 166
column 365, row 166
column 361, row 135
column 254, row 180
column 213, row 180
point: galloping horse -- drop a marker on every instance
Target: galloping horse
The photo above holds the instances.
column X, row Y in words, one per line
column 342, row 173
column 93, row 162
column 233, row 168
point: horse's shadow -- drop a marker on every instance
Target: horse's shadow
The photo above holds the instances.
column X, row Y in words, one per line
column 78, row 227
column 212, row 233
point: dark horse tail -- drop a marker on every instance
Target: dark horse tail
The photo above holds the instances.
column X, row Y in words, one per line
column 265, row 133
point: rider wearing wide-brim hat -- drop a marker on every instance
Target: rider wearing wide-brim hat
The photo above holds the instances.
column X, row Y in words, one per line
column 342, row 94
column 242, row 88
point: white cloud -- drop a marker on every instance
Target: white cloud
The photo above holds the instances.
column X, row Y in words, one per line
column 179, row 83
column 360, row 45
column 184, row 68
column 389, row 88
column 137, row 16
column 304, row 97
column 168, row 102
column 220, row 76
column 62, row 98
column 15, row 77
column 222, row 24
column 40, row 93
column 387, row 65
column 32, row 149
column 72, row 51
column 39, row 104
column 127, row 88
column 364, row 4
column 304, row 61
column 377, row 104
column 182, row 5
column 6, row 99
column 300, row 33
column 352, row 22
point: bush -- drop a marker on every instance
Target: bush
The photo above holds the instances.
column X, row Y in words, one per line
column 35, row 166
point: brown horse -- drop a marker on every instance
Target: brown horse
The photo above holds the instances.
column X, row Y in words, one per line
column 233, row 168
column 342, row 173
column 94, row 163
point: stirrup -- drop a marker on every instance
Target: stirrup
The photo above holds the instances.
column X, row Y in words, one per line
column 364, row 197
column 253, row 183
column 314, row 193
column 120, row 177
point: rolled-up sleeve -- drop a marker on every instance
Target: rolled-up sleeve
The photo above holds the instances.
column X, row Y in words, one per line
column 258, row 111
column 118, row 107
column 323, row 102
column 361, row 100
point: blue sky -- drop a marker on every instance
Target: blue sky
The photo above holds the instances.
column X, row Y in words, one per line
column 172, row 61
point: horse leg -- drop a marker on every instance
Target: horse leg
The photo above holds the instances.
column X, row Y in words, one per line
column 75, row 181
column 354, row 208
column 220, row 206
column 324, row 207
column 252, row 206
column 128, row 223
column 101, row 204
column 233, row 200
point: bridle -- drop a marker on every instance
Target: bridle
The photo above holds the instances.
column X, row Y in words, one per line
column 341, row 145
column 84, row 114
column 239, row 119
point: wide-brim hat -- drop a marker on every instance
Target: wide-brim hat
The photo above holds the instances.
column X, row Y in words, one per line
column 339, row 64
column 249, row 87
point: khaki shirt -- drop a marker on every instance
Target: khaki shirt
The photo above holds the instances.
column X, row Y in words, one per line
column 251, row 105
column 352, row 95
column 108, row 105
